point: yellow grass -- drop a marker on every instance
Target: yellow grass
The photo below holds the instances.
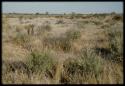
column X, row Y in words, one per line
column 71, row 49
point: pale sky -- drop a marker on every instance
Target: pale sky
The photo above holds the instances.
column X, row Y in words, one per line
column 62, row 7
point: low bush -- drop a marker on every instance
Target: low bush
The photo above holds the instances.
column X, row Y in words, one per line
column 78, row 70
column 117, row 18
column 40, row 62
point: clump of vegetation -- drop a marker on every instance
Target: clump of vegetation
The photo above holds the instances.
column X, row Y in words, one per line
column 78, row 70
column 44, row 28
column 40, row 62
column 73, row 34
column 117, row 18
column 30, row 29
column 61, row 43
column 36, row 64
column 116, row 43
column 14, row 66
column 100, row 16
column 65, row 44
column 21, row 38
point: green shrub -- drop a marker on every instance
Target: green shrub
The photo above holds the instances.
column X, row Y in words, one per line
column 40, row 62
column 84, row 66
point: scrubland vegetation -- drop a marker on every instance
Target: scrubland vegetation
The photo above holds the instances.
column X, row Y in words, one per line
column 60, row 49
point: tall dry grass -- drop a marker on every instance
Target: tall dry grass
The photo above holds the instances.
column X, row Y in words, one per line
column 90, row 65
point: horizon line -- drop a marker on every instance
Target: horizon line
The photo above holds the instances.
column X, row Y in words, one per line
column 61, row 12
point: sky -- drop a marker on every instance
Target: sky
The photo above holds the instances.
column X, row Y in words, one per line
column 62, row 7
